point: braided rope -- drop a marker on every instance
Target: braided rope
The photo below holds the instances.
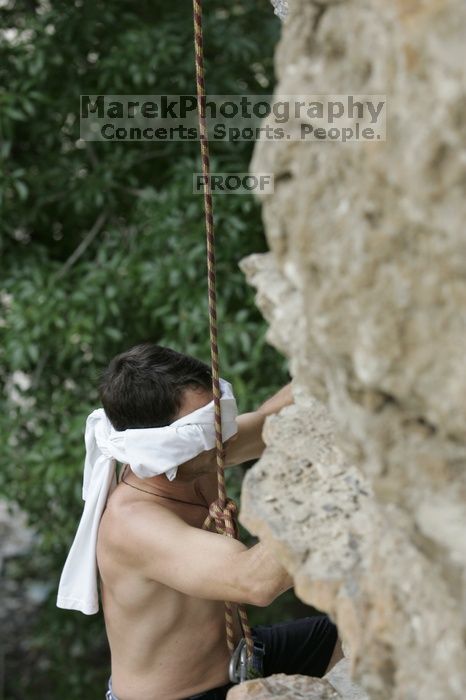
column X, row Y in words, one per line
column 223, row 512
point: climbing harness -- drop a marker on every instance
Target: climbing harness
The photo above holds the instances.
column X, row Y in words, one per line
column 223, row 511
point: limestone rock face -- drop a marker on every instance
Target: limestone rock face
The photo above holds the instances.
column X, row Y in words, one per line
column 362, row 487
column 285, row 687
column 336, row 685
column 339, row 678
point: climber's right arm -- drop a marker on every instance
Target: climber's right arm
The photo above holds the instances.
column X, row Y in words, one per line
column 201, row 564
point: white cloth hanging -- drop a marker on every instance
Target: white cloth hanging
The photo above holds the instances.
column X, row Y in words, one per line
column 149, row 452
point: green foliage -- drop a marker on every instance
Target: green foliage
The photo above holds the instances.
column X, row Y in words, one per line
column 141, row 276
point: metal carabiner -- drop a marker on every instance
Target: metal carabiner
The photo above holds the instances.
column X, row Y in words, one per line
column 241, row 668
column 238, row 668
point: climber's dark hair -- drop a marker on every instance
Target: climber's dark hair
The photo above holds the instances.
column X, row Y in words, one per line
column 144, row 387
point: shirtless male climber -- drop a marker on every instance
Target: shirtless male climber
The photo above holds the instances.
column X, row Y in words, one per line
column 164, row 580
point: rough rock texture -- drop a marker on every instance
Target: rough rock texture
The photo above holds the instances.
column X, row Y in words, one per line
column 336, row 685
column 362, row 488
column 286, row 687
column 340, row 678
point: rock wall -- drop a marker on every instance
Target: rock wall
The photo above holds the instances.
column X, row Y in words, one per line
column 334, row 686
column 362, row 487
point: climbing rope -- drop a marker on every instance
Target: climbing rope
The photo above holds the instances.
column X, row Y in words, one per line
column 223, row 512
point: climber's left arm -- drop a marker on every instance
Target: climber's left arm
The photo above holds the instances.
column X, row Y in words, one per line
column 247, row 443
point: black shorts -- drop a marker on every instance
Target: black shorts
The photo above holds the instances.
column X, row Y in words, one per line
column 301, row 646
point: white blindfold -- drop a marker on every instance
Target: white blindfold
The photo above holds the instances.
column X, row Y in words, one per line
column 149, row 452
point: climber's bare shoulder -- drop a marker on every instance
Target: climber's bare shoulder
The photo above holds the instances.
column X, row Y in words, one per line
column 165, row 631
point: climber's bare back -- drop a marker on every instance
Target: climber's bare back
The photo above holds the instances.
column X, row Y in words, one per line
column 164, row 643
